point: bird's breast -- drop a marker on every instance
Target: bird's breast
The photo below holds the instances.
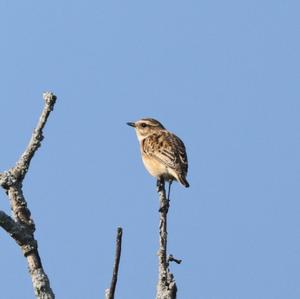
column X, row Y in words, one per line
column 154, row 167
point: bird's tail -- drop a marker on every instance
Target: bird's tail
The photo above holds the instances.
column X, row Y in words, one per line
column 182, row 180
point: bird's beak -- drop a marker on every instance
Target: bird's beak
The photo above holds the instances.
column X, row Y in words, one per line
column 131, row 124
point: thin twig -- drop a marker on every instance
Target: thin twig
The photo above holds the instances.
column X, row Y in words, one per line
column 171, row 258
column 22, row 230
column 110, row 293
column 166, row 286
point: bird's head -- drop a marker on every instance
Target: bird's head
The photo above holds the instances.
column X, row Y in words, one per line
column 146, row 127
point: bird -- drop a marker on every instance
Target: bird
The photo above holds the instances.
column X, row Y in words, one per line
column 163, row 153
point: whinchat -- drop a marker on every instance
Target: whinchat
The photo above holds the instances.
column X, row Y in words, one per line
column 163, row 153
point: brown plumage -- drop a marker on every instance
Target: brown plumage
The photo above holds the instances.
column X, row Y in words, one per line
column 163, row 153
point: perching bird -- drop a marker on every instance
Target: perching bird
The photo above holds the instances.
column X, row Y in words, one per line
column 163, row 153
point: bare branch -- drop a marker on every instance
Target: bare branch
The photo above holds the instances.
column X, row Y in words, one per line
column 22, row 227
column 166, row 286
column 110, row 293
column 36, row 138
column 15, row 230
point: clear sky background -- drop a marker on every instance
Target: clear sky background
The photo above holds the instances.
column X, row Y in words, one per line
column 222, row 75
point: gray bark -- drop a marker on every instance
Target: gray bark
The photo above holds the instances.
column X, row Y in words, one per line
column 21, row 226
column 166, row 286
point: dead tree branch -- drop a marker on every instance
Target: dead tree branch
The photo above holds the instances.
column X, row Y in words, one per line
column 21, row 227
column 110, row 293
column 15, row 230
column 166, row 286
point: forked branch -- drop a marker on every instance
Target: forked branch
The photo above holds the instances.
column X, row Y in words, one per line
column 21, row 227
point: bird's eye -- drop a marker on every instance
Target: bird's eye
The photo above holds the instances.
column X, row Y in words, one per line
column 143, row 125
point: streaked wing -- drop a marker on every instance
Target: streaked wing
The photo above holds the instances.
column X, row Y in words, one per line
column 168, row 149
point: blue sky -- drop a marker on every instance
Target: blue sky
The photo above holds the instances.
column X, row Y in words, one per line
column 222, row 75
